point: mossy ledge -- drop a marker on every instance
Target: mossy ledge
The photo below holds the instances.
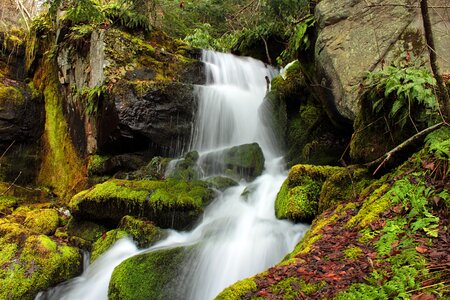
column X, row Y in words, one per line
column 169, row 204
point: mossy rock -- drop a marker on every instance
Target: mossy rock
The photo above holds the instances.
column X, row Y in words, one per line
column 169, row 204
column 343, row 185
column 31, row 262
column 298, row 198
column 43, row 221
column 8, row 204
column 83, row 233
column 106, row 241
column 221, row 182
column 239, row 162
column 154, row 170
column 158, row 270
column 186, row 168
column 144, row 232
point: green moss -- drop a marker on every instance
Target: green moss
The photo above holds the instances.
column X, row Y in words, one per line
column 11, row 95
column 61, row 166
column 238, row 290
column 7, row 204
column 372, row 207
column 290, row 287
column 344, row 184
column 143, row 232
column 30, row 263
column 84, row 233
column 163, row 202
column 299, row 195
column 157, row 270
column 96, row 164
column 106, row 241
column 298, row 203
column 221, row 183
column 353, row 252
column 44, row 221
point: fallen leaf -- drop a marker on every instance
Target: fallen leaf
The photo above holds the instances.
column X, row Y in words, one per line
column 421, row 249
column 428, row 165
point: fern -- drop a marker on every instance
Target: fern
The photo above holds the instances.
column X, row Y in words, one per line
column 299, row 40
column 438, row 143
column 399, row 91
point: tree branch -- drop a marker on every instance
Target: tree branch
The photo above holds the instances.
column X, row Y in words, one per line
column 382, row 160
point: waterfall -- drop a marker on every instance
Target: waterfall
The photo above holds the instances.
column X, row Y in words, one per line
column 238, row 236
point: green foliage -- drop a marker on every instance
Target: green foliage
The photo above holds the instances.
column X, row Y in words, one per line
column 299, row 40
column 84, row 12
column 438, row 143
column 399, row 92
column 91, row 97
column 126, row 14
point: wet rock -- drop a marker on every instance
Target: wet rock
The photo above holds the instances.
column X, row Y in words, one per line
column 239, row 162
column 159, row 270
column 142, row 231
column 185, row 168
column 221, row 182
column 169, row 204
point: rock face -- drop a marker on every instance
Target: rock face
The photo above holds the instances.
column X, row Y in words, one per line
column 21, row 115
column 139, row 92
column 169, row 204
column 355, row 37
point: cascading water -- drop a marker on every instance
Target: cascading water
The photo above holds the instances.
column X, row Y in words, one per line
column 238, row 236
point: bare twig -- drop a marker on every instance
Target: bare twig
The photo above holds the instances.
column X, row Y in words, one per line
column 4, row 152
column 12, row 184
column 382, row 160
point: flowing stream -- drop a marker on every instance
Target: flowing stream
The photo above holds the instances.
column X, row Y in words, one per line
column 238, row 236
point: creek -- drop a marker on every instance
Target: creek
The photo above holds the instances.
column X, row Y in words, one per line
column 238, row 236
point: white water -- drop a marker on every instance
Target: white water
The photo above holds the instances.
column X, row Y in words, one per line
column 237, row 237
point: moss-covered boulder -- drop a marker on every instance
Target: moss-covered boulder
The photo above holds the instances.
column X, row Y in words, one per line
column 106, row 241
column 171, row 203
column 143, row 232
column 158, row 270
column 8, row 204
column 298, row 198
column 244, row 161
column 30, row 262
column 309, row 190
column 43, row 221
column 221, row 182
column 82, row 233
column 185, row 168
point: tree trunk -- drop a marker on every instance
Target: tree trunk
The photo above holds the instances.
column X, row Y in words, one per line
column 443, row 96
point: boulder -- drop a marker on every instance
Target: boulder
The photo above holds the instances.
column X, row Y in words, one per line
column 157, row 269
column 184, row 168
column 298, row 197
column 143, row 232
column 30, row 262
column 355, row 37
column 239, row 162
column 169, row 204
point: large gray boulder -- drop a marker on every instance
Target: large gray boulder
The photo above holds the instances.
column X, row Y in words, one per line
column 357, row 36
